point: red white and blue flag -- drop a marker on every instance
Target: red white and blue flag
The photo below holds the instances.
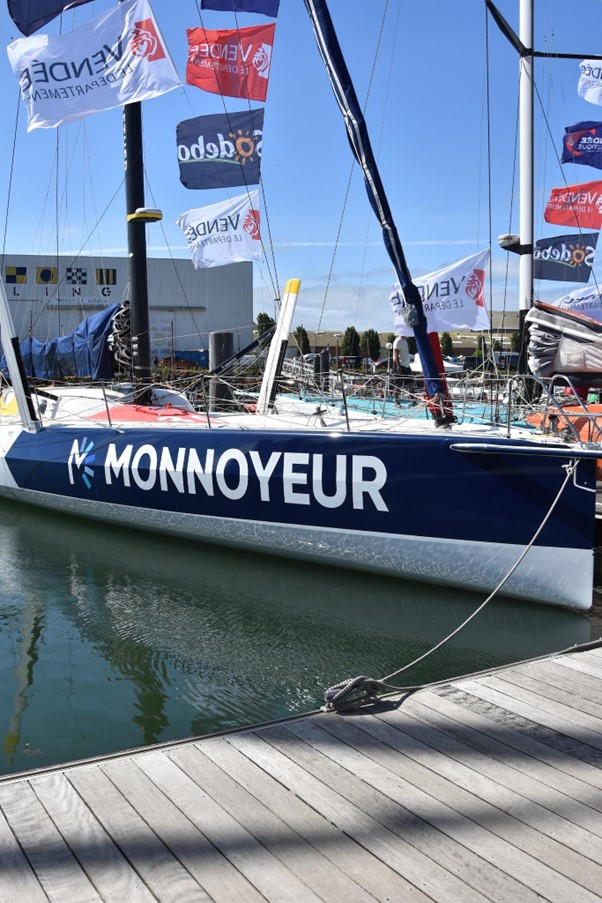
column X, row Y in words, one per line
column 582, row 143
column 233, row 63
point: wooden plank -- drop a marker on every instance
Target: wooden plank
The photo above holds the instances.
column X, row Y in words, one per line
column 239, row 846
column 295, row 852
column 54, row 864
column 214, row 874
column 17, row 880
column 157, row 867
column 101, row 860
column 554, row 814
column 377, row 879
column 506, row 843
column 525, row 757
column 413, row 867
column 551, row 674
column 523, row 734
column 575, row 702
column 578, row 663
column 560, row 718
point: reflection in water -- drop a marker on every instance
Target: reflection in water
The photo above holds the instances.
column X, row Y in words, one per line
column 111, row 639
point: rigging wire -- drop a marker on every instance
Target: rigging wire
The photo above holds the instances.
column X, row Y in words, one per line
column 360, row 689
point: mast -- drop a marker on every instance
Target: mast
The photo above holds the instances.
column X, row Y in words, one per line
column 525, row 281
column 136, row 233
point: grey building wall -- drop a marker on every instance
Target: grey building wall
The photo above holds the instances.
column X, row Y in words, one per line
column 49, row 296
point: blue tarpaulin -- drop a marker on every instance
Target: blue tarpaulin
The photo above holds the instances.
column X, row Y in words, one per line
column 83, row 353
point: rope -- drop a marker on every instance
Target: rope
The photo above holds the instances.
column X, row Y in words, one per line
column 356, row 690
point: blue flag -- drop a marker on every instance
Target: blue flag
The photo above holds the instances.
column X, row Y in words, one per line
column 266, row 7
column 222, row 150
column 565, row 258
column 582, row 143
column 29, row 15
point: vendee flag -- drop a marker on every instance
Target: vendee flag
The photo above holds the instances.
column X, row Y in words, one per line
column 566, row 258
column 590, row 81
column 29, row 15
column 576, row 205
column 220, row 151
column 586, row 301
column 452, row 298
column 266, row 7
column 582, row 143
column 226, row 232
column 233, row 63
column 115, row 59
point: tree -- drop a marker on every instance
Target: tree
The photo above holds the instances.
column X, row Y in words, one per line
column 515, row 341
column 481, row 349
column 302, row 339
column 391, row 337
column 447, row 346
column 371, row 344
column 497, row 345
column 350, row 346
column 264, row 322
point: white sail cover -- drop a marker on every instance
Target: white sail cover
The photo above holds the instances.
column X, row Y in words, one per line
column 115, row 59
column 562, row 340
column 226, row 232
column 452, row 298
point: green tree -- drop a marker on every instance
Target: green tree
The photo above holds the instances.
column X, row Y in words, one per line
column 391, row 337
column 264, row 322
column 302, row 339
column 371, row 344
column 481, row 349
column 497, row 345
column 515, row 341
column 447, row 346
column 350, row 346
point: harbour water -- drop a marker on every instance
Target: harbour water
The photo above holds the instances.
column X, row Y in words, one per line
column 111, row 640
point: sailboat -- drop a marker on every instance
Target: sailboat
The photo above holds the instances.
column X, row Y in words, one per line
column 442, row 504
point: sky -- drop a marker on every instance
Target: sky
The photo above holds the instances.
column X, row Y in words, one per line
column 425, row 95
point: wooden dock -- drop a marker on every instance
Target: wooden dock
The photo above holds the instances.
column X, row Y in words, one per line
column 482, row 789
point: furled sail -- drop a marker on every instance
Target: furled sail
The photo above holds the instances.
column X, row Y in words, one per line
column 357, row 132
column 84, row 353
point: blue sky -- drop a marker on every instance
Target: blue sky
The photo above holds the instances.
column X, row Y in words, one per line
column 427, row 120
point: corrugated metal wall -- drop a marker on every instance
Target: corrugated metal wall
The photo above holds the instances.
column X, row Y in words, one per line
column 50, row 296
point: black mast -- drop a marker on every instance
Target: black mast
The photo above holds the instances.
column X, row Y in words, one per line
column 137, row 217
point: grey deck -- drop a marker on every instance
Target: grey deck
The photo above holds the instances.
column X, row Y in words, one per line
column 487, row 788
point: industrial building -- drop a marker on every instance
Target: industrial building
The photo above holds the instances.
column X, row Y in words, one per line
column 50, row 295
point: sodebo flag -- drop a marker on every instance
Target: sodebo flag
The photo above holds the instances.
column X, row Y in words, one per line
column 227, row 232
column 590, row 81
column 453, row 298
column 114, row 59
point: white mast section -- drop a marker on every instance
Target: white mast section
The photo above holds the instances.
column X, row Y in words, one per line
column 7, row 331
column 525, row 282
column 278, row 345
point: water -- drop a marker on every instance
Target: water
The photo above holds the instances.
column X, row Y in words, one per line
column 111, row 640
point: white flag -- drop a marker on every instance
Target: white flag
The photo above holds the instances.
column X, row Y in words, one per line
column 453, row 298
column 590, row 81
column 223, row 233
column 586, row 300
column 116, row 58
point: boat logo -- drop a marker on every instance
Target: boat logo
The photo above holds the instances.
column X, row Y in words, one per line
column 262, row 59
column 474, row 287
column 145, row 41
column 80, row 459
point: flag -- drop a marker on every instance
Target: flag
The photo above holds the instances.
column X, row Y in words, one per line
column 220, row 151
column 15, row 275
column 29, row 15
column 586, row 301
column 232, row 63
column 576, row 205
column 453, row 298
column 582, row 143
column 566, row 258
column 76, row 276
column 116, row 58
column 106, row 277
column 46, row 275
column 590, row 81
column 265, row 7
column 225, row 232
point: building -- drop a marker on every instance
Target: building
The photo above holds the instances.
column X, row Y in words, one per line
column 50, row 295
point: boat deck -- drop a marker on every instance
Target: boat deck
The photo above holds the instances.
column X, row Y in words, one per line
column 485, row 788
